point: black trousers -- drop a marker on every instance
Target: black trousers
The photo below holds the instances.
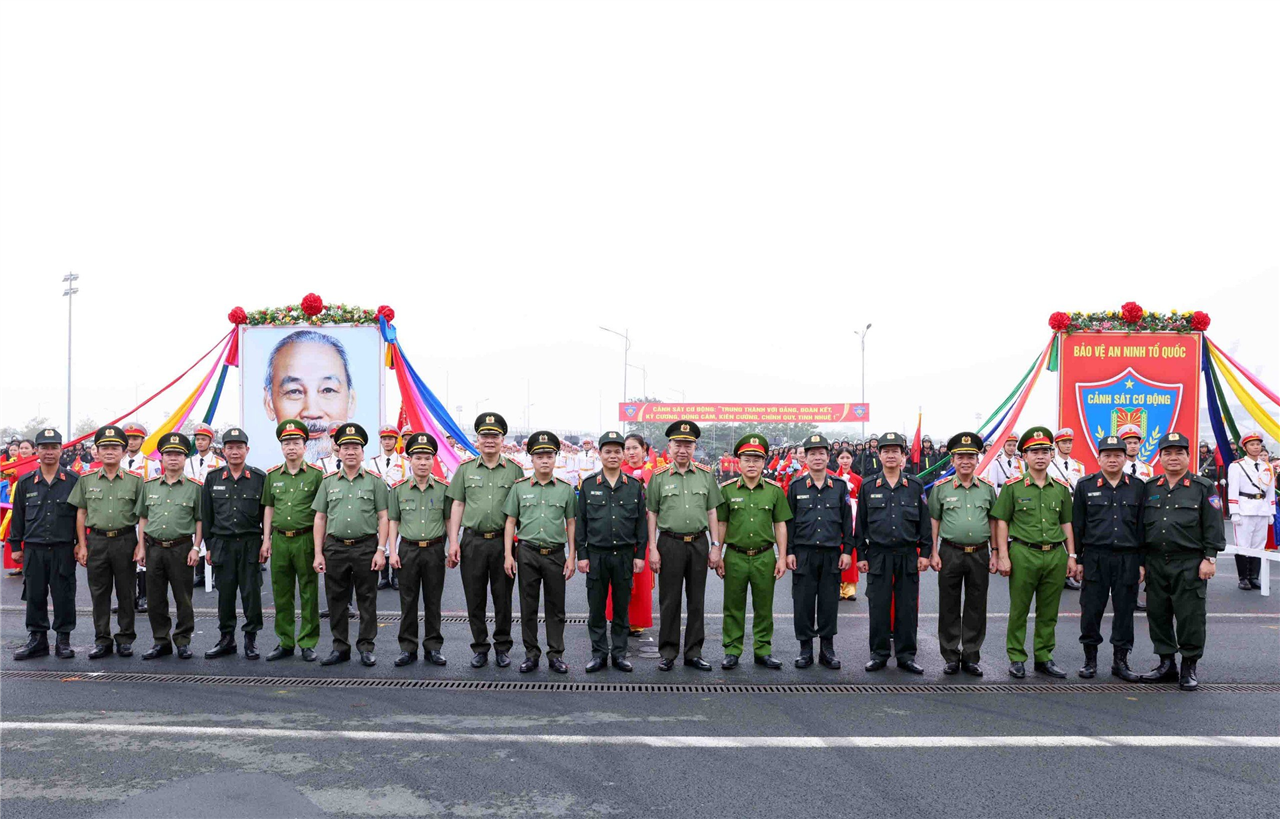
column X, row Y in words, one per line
column 348, row 568
column 962, row 603
column 483, row 570
column 683, row 574
column 815, row 593
column 893, row 582
column 1114, row 574
column 236, row 567
column 167, row 570
column 609, row 570
column 421, row 575
column 537, row 572
column 110, row 565
column 1248, row 568
column 49, row 570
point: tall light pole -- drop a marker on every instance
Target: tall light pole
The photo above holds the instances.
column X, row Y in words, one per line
column 626, row 348
column 70, row 280
column 862, row 334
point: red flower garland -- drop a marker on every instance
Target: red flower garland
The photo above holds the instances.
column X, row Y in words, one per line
column 1200, row 321
column 1059, row 321
column 1131, row 312
column 237, row 315
column 312, row 305
column 386, row 312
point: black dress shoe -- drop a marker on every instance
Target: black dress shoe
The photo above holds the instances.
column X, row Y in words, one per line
column 952, row 667
column 367, row 659
column 140, row 604
column 875, row 664
column 1072, row 584
column 183, row 652
column 828, row 659
column 226, row 645
column 501, row 659
column 125, row 649
column 911, row 665
column 480, row 659
column 1167, row 671
column 596, row 664
column 623, row 664
column 1244, row 584
column 384, row 583
column 62, row 648
column 405, row 658
column 768, row 661
column 37, row 646
column 395, row 581
column 972, row 669
column 250, row 646
column 666, row 665
column 558, row 665
column 1051, row 668
column 436, row 658
column 698, row 663
column 804, row 660
column 528, row 665
column 1120, row 666
column 308, row 655
column 1255, row 583
column 158, row 650
column 336, row 657
column 1017, row 670
column 729, row 661
column 99, row 651
column 1187, row 680
column 279, row 653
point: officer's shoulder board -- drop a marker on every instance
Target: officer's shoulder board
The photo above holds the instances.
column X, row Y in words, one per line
column 661, row 469
column 525, row 478
column 278, row 467
column 723, row 484
column 561, row 480
column 987, row 481
column 467, row 460
column 1060, row 481
column 444, row 481
column 397, row 483
column 334, row 472
column 701, row 466
column 775, row 483
column 148, row 480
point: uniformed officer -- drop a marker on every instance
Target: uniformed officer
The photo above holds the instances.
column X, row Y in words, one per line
column 1063, row 465
column 1182, row 535
column 891, row 533
column 929, row 458
column 107, row 531
column 752, row 517
column 1251, row 500
column 169, row 527
column 231, row 510
column 1136, row 467
column 138, row 463
column 963, row 529
column 682, row 501
column 418, row 509
column 869, row 464
column 612, row 536
column 1034, row 515
column 288, row 521
column 350, row 529
column 198, row 467
column 820, row 548
column 1106, row 522
column 42, row 537
column 1006, row 466
column 542, row 511
column 393, row 468
column 479, row 493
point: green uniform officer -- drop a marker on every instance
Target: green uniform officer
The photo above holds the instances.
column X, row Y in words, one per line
column 106, row 501
column 1034, row 514
column 752, row 515
column 289, row 541
column 479, row 493
column 418, row 509
column 350, row 528
column 1182, row 535
column 542, row 511
column 169, row 531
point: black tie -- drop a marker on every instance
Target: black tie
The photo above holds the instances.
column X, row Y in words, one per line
column 388, row 461
column 1133, row 469
column 202, row 460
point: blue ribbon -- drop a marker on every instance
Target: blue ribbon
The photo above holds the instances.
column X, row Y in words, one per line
column 433, row 404
column 1212, row 400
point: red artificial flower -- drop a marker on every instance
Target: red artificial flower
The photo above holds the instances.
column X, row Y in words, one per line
column 312, row 305
column 386, row 312
column 238, row 316
column 1200, row 321
column 1059, row 321
column 1131, row 312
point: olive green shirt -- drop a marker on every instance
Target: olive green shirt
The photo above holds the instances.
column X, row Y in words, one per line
column 351, row 505
column 1182, row 519
column 420, row 513
column 1035, row 514
column 682, row 499
column 291, row 495
column 109, row 503
column 750, row 513
column 964, row 513
column 541, row 510
column 484, row 491
column 171, row 509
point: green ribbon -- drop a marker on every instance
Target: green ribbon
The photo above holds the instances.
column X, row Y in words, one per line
column 1222, row 402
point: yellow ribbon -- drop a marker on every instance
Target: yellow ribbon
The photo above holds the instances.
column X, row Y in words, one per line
column 1250, row 404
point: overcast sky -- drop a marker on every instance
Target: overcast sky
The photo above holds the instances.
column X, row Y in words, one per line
column 739, row 184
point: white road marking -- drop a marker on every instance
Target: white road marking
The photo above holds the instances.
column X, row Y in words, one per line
column 939, row 742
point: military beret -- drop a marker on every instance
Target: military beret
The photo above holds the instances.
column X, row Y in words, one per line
column 611, row 437
column 1036, row 438
column 751, row 444
column 1111, row 443
column 49, row 435
column 964, row 442
column 892, row 439
column 133, row 428
column 235, row 435
column 350, row 434
column 1176, row 439
column 292, row 428
column 421, row 442
column 388, row 431
column 491, row 422
column 175, row 442
column 542, row 441
column 1248, row 436
column 816, row 441
column 1065, row 434
column 684, row 431
column 109, row 435
column 1130, row 431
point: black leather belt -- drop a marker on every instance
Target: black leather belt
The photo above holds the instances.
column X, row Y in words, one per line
column 166, row 544
column 351, row 541
column 750, row 552
column 542, row 550
column 113, row 533
column 422, row 544
column 1258, row 496
column 690, row 538
column 964, row 547
column 1038, row 547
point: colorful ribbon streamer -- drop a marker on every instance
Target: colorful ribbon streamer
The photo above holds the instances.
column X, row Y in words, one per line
column 422, row 396
column 179, row 416
column 1250, row 403
column 1212, row 401
column 1253, row 379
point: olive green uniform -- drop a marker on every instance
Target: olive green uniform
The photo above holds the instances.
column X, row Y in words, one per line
column 749, row 514
column 964, row 531
column 111, row 517
column 483, row 490
column 351, row 507
column 541, row 512
column 293, row 550
column 681, row 501
column 1035, row 515
column 420, row 514
column 172, row 511
column 1182, row 526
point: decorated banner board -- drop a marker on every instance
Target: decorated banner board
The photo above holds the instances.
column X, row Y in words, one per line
column 745, row 413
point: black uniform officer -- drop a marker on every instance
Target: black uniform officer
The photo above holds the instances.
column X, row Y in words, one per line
column 42, row 536
column 820, row 534
column 892, row 536
column 231, row 511
column 612, row 537
column 1107, row 520
column 869, row 464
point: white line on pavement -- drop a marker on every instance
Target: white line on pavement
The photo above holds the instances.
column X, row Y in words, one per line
column 942, row 742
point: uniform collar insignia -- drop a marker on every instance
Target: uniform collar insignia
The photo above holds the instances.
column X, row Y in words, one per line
column 1161, row 481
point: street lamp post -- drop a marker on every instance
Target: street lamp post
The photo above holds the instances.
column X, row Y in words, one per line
column 626, row 348
column 644, row 379
column 70, row 280
column 862, row 334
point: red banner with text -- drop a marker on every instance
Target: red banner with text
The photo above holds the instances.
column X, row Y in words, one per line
column 746, row 413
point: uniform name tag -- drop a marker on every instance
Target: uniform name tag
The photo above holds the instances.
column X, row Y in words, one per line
column 877, row 495
column 596, row 492
column 802, row 497
column 1093, row 494
column 949, row 500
